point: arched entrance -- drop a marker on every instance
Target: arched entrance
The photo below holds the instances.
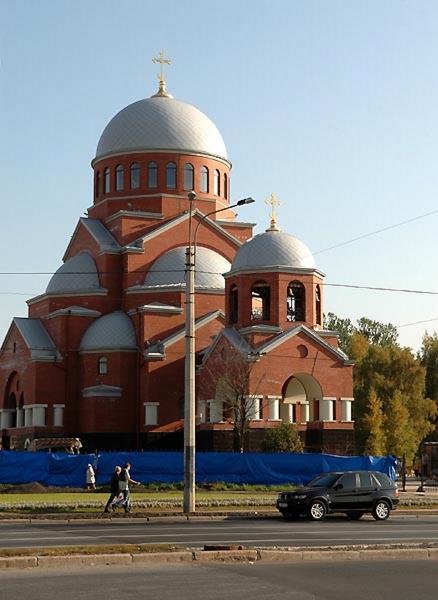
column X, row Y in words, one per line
column 301, row 396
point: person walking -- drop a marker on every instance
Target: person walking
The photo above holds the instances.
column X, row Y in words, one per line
column 114, row 487
column 90, row 477
column 124, row 481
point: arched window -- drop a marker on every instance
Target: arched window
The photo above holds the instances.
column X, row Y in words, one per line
column 97, row 184
column 135, row 176
column 103, row 365
column 152, row 175
column 225, row 186
column 233, row 304
column 107, row 180
column 204, row 179
column 171, row 175
column 296, row 302
column 189, row 177
column 260, row 301
column 119, row 178
column 217, row 183
column 318, row 305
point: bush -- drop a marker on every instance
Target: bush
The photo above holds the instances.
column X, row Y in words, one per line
column 284, row 438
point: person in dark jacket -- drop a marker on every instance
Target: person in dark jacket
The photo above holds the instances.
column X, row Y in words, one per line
column 114, row 487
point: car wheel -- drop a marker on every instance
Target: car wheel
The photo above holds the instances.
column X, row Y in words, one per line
column 317, row 510
column 381, row 510
column 355, row 516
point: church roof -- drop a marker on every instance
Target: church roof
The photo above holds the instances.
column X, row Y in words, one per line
column 113, row 331
column 271, row 250
column 169, row 269
column 36, row 338
column 77, row 274
column 161, row 124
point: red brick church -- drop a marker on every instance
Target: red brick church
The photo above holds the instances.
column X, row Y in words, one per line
column 101, row 354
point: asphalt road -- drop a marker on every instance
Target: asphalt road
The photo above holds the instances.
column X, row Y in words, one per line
column 334, row 580
column 251, row 532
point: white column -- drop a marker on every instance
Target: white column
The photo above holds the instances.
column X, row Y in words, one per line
column 6, row 417
column 346, row 408
column 305, row 412
column 274, row 408
column 58, row 415
column 202, row 411
column 216, row 411
column 254, row 405
column 326, row 409
column 20, row 417
column 28, row 416
column 39, row 415
column 151, row 413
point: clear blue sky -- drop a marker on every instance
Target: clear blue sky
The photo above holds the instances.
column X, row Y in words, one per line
column 332, row 105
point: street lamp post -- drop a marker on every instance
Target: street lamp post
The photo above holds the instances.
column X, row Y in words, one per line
column 189, row 391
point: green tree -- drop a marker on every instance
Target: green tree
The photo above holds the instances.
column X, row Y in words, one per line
column 400, row 439
column 343, row 327
column 390, row 370
column 382, row 334
column 429, row 360
column 372, row 426
column 284, row 438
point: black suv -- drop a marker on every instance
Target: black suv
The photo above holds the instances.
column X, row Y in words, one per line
column 352, row 492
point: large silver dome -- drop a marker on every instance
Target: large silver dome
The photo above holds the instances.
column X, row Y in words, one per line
column 161, row 123
column 169, row 269
column 273, row 249
column 77, row 274
column 113, row 331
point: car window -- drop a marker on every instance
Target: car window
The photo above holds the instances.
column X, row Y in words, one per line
column 383, row 480
column 325, row 480
column 365, row 481
column 348, row 480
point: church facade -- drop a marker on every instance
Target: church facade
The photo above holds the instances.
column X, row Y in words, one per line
column 101, row 354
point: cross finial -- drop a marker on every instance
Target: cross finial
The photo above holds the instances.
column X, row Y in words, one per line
column 162, row 60
column 273, row 201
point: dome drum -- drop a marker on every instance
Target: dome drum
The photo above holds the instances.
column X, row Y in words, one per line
column 151, row 173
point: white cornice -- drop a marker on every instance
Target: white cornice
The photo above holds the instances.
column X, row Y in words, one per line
column 135, row 214
column 273, row 269
column 95, row 292
column 158, row 151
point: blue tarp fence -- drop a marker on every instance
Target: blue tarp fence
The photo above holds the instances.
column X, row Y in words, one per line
column 68, row 470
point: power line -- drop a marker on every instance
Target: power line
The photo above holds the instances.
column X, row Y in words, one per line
column 375, row 232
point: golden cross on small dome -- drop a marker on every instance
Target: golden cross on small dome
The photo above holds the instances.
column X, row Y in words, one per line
column 162, row 60
column 273, row 201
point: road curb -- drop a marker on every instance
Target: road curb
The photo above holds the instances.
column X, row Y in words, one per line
column 290, row 555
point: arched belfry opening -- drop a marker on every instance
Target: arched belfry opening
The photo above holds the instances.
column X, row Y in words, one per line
column 296, row 302
column 260, row 301
column 301, row 396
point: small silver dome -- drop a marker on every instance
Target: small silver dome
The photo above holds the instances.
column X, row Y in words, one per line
column 113, row 331
column 161, row 123
column 169, row 269
column 273, row 249
column 77, row 274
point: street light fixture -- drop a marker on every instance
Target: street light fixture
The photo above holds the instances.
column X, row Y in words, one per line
column 189, row 391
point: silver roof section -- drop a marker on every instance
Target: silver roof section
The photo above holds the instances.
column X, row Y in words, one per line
column 111, row 332
column 74, row 311
column 273, row 249
column 169, row 269
column 37, row 339
column 77, row 274
column 108, row 391
column 105, row 240
column 162, row 124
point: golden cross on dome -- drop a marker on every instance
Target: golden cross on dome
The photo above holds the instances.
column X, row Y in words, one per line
column 162, row 60
column 273, row 201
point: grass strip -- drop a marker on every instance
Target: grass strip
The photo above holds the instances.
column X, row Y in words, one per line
column 71, row 550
